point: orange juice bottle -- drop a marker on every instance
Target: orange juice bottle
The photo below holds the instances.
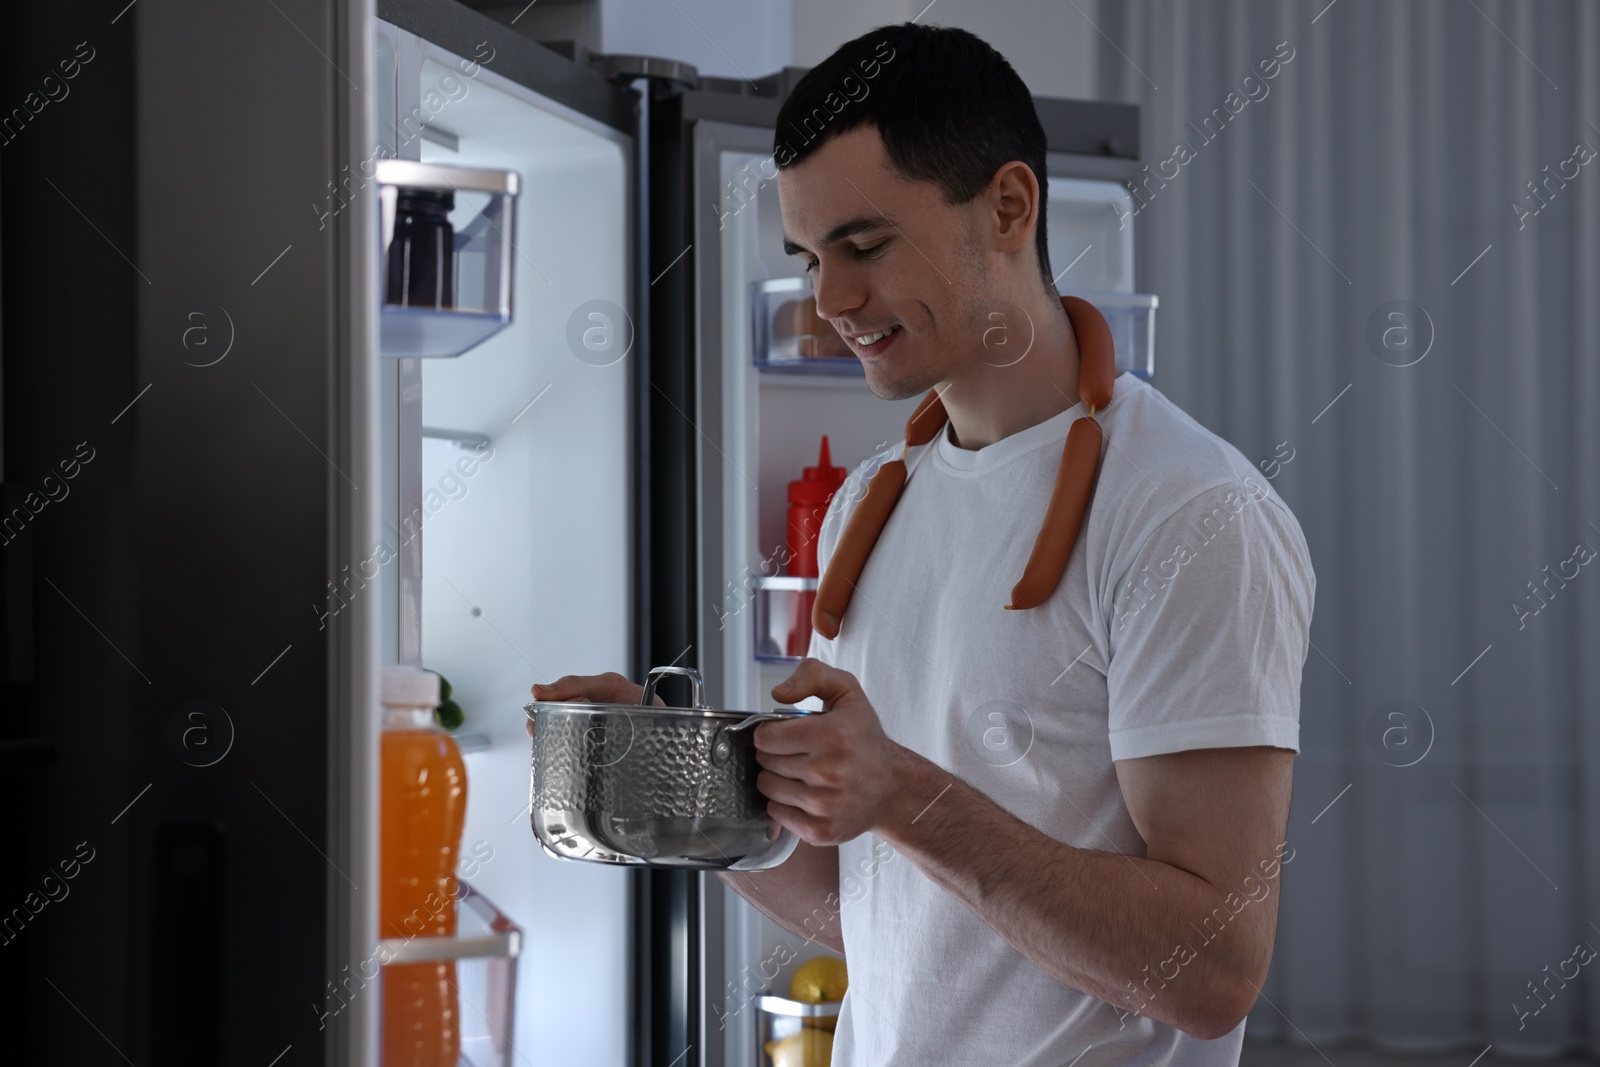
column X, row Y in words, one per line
column 424, row 802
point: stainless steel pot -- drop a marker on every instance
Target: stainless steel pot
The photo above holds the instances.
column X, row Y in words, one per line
column 653, row 786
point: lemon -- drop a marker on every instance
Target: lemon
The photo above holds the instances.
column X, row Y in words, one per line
column 807, row 1048
column 816, row 980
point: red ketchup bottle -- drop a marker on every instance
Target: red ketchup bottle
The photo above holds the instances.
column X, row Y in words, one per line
column 808, row 503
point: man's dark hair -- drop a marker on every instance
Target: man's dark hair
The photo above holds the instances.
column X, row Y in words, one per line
column 949, row 108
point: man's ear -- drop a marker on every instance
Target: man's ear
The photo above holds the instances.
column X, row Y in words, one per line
column 1013, row 196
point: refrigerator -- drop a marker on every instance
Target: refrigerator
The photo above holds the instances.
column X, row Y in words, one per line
column 645, row 426
column 598, row 485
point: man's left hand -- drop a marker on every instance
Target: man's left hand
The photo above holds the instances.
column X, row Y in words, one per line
column 829, row 777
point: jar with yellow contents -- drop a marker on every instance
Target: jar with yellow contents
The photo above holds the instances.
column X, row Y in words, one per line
column 797, row 1030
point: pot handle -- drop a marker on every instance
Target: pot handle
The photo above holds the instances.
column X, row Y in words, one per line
column 696, row 696
column 770, row 716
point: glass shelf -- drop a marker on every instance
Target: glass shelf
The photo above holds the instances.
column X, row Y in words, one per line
column 470, row 742
column 436, row 332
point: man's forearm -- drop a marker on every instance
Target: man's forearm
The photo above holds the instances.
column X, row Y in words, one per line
column 801, row 895
column 1104, row 923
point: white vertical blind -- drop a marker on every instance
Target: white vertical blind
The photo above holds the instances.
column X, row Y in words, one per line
column 1427, row 903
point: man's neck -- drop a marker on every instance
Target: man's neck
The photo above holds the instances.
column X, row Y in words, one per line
column 997, row 394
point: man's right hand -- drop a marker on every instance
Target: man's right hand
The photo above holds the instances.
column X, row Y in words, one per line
column 608, row 688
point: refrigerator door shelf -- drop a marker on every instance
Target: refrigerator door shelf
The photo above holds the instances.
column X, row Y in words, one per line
column 1090, row 227
column 780, row 1018
column 788, row 336
column 493, row 937
column 484, row 950
column 782, row 617
column 1132, row 318
column 445, row 256
column 436, row 333
column 826, row 366
column 798, row 1009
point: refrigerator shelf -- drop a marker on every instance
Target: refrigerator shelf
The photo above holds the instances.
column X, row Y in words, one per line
column 484, row 951
column 470, row 742
column 831, row 366
column 798, row 1009
column 1132, row 318
column 467, row 440
column 445, row 255
column 434, row 332
column 788, row 336
column 783, row 617
column 779, row 1017
column 483, row 931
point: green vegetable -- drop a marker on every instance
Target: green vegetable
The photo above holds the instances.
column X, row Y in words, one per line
column 448, row 713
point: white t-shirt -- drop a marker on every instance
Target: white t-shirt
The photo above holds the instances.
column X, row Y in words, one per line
column 1181, row 622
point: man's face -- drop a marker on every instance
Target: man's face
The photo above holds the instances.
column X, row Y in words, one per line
column 885, row 253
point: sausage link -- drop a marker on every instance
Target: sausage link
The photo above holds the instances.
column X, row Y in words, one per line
column 850, row 555
column 1097, row 361
column 1075, row 479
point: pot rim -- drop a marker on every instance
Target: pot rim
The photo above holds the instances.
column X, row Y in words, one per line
column 532, row 708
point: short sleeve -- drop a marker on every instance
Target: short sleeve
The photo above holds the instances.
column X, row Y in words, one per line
column 1209, row 628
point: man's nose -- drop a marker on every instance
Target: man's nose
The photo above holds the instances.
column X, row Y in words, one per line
column 836, row 294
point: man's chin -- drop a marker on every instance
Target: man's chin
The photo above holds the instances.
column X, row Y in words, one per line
column 896, row 387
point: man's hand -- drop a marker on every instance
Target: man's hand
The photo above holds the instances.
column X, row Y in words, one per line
column 827, row 777
column 608, row 688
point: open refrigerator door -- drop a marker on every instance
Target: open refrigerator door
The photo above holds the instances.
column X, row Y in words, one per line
column 507, row 480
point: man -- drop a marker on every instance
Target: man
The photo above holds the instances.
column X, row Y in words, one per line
column 1030, row 832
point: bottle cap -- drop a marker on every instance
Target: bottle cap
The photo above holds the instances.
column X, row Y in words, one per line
column 407, row 686
column 819, row 483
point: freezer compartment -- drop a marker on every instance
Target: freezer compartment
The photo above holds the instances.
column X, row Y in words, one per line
column 445, row 255
column 787, row 334
column 1132, row 318
column 783, row 617
column 484, row 951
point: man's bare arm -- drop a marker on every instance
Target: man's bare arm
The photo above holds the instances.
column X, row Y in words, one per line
column 801, row 894
column 1110, row 924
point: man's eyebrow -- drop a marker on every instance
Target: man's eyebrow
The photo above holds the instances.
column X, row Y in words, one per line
column 840, row 232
